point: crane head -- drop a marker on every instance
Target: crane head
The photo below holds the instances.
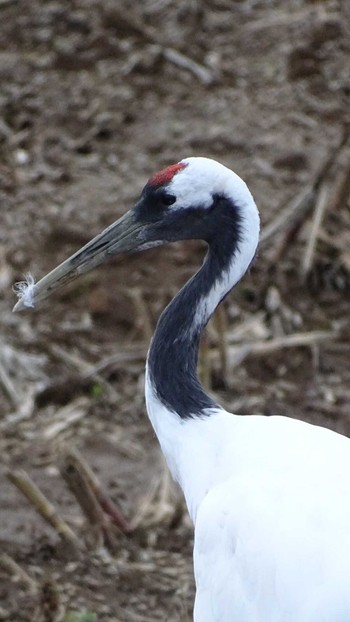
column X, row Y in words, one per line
column 197, row 198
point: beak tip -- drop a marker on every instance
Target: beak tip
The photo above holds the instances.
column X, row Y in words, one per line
column 19, row 306
column 25, row 292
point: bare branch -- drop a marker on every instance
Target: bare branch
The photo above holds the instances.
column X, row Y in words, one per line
column 320, row 209
column 11, row 566
column 75, row 469
column 41, row 504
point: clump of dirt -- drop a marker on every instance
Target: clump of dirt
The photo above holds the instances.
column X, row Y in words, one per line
column 93, row 100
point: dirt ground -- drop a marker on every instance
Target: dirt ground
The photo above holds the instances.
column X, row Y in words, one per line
column 94, row 98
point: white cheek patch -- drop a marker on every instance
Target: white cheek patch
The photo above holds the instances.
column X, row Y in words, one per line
column 191, row 190
column 24, row 290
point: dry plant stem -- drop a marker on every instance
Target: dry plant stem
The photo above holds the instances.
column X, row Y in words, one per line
column 296, row 210
column 280, row 18
column 24, row 411
column 74, row 466
column 293, row 216
column 29, row 489
column 85, row 369
column 71, row 359
column 65, row 417
column 236, row 354
column 333, row 199
column 133, row 23
column 341, row 191
column 147, row 502
column 142, row 311
column 134, row 354
column 336, row 244
column 320, row 209
column 157, row 505
column 9, row 564
column 199, row 71
column 86, row 499
column 50, row 608
column 162, row 507
column 82, row 492
column 131, row 616
column 9, row 387
column 285, row 241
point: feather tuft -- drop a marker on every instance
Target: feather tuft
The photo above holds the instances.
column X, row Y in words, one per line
column 24, row 290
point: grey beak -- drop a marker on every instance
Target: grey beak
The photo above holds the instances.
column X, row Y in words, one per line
column 123, row 236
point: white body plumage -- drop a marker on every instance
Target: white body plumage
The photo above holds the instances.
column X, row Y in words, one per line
column 270, row 502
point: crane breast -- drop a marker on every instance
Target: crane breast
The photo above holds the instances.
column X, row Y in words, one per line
column 273, row 546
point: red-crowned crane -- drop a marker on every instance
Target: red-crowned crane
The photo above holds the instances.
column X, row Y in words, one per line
column 269, row 496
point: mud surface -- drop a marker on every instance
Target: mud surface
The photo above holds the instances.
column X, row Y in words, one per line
column 94, row 98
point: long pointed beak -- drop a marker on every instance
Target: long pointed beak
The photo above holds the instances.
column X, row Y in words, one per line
column 123, row 236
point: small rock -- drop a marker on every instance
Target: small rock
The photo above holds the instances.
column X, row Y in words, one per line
column 22, row 157
column 292, row 160
column 302, row 62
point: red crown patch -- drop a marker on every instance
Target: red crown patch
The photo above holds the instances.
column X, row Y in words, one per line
column 166, row 174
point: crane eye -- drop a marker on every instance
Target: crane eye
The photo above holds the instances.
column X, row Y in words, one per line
column 168, row 199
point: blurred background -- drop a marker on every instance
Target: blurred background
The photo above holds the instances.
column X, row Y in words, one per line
column 94, row 99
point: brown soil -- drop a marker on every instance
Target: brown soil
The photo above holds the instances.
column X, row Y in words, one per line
column 94, row 98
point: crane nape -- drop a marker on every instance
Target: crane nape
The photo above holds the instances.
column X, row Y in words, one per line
column 269, row 496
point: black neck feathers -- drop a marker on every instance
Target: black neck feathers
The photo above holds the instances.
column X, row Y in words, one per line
column 172, row 359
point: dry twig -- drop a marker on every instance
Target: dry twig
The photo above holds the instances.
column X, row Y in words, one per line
column 9, row 388
column 85, row 485
column 279, row 18
column 142, row 312
column 11, row 566
column 87, row 370
column 296, row 210
column 320, row 209
column 203, row 74
column 157, row 505
column 236, row 354
column 290, row 220
column 50, row 608
column 81, row 490
column 133, row 354
column 24, row 411
column 131, row 22
column 48, row 512
column 341, row 189
column 65, row 417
